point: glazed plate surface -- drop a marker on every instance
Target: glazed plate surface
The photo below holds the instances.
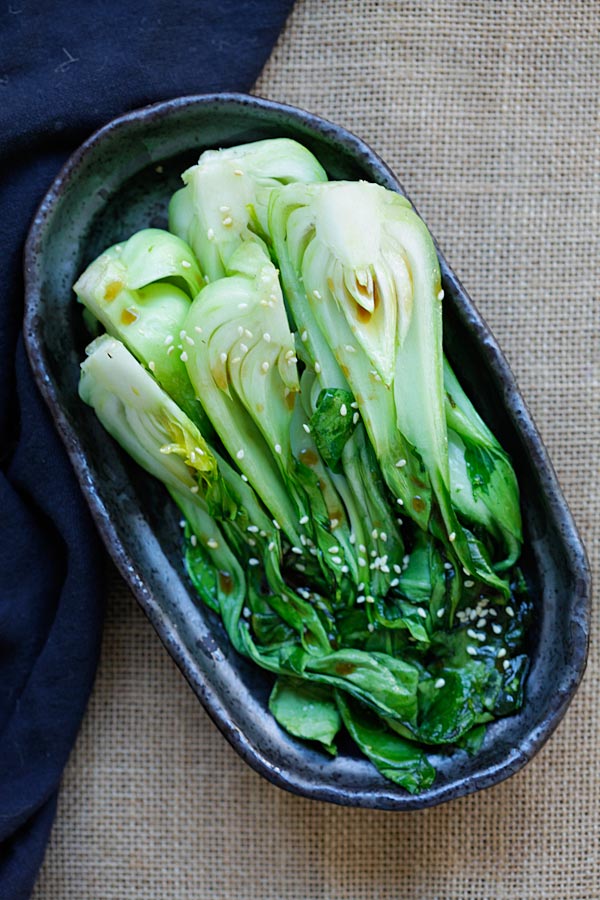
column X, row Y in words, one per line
column 120, row 181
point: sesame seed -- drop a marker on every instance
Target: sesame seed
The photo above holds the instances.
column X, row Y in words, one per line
column 265, row 366
column 317, row 294
column 334, row 549
column 506, row 664
column 337, row 560
column 362, row 548
column 271, row 546
column 194, row 489
column 394, row 582
column 212, row 543
column 510, row 611
column 306, row 427
column 361, row 561
column 422, row 612
column 253, row 561
column 401, row 463
column 439, row 683
column 242, row 306
column 501, row 652
column 497, row 629
column 481, row 623
column 168, row 340
column 333, row 523
column 118, row 248
column 471, row 633
column 267, row 337
column 370, row 627
column 441, row 612
column 277, row 448
column 253, row 529
column 448, row 566
column 355, row 418
column 227, row 221
column 246, row 613
column 304, row 335
column 440, row 296
column 397, row 569
column 469, row 583
column 383, row 536
column 244, row 348
column 276, row 524
column 240, row 330
column 370, row 599
column 292, row 360
column 210, row 234
column 472, row 651
column 186, row 264
column 189, row 340
column 360, row 598
column 197, row 329
column 224, row 208
column 350, row 349
column 248, row 333
column 244, row 478
column 452, row 536
column 297, row 550
column 317, row 367
column 344, row 569
column 343, row 410
column 183, row 357
column 304, row 520
column 152, row 365
column 223, row 357
column 235, row 360
column 237, row 172
column 193, row 540
column 399, row 501
column 240, row 454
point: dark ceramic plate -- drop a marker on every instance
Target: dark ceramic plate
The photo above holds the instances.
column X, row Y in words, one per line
column 120, row 181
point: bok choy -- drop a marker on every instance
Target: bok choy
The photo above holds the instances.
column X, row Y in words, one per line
column 276, row 361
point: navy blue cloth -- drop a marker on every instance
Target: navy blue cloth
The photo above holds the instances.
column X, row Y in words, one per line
column 65, row 69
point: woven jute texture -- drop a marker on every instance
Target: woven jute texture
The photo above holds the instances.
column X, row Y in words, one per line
column 489, row 113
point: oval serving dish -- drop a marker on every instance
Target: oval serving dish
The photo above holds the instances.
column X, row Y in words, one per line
column 119, row 181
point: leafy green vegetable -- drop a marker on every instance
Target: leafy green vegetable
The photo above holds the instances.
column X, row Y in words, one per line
column 306, row 711
column 348, row 514
column 141, row 291
column 396, row 759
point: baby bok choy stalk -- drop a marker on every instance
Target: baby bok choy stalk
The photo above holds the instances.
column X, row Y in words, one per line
column 226, row 196
column 141, row 291
column 366, row 265
column 230, row 530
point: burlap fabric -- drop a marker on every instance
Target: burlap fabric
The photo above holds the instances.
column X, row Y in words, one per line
column 489, row 114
